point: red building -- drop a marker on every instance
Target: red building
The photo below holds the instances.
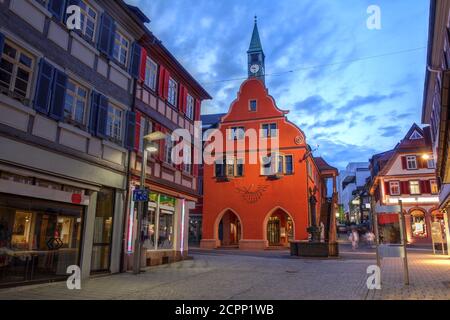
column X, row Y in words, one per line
column 273, row 199
column 167, row 98
column 407, row 173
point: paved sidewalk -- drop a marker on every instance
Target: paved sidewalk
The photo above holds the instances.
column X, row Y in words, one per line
column 225, row 275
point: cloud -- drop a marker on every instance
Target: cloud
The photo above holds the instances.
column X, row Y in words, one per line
column 390, row 131
column 372, row 99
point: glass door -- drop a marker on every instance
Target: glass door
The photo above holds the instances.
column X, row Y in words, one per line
column 273, row 231
column 101, row 250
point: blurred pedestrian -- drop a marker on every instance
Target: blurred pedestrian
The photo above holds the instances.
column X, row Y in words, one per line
column 354, row 238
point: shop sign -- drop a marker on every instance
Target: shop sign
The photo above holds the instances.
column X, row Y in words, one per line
column 140, row 195
column 167, row 201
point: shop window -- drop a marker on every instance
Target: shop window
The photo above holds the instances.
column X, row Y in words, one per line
column 166, row 229
column 418, row 224
column 16, row 71
column 38, row 239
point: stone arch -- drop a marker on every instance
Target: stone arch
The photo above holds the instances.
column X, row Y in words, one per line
column 267, row 220
column 218, row 220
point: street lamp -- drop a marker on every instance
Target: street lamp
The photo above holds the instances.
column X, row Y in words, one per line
column 152, row 147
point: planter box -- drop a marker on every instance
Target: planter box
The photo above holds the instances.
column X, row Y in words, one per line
column 314, row 249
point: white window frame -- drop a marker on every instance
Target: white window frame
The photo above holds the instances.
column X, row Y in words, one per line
column 410, row 160
column 85, row 15
column 168, row 147
column 172, row 95
column 416, row 183
column 250, row 105
column 150, row 78
column 112, row 119
column 431, row 164
column 392, row 185
column 16, row 66
column 76, row 98
column 119, row 39
column 190, row 104
column 267, row 134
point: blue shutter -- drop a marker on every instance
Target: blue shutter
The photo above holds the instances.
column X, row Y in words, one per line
column 57, row 8
column 2, row 44
column 102, row 116
column 135, row 63
column 130, row 130
column 43, row 87
column 106, row 35
column 58, row 95
column 93, row 114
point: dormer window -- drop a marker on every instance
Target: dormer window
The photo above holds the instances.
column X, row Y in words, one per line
column 253, row 105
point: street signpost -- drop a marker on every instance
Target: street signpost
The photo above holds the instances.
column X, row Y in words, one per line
column 437, row 236
column 140, row 195
column 388, row 250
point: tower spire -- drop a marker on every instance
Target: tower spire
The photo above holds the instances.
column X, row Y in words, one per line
column 256, row 57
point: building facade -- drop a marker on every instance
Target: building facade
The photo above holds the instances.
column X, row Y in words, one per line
column 254, row 198
column 407, row 173
column 351, row 182
column 65, row 99
column 167, row 99
column 436, row 100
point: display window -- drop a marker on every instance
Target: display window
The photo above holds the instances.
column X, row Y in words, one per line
column 418, row 224
column 38, row 239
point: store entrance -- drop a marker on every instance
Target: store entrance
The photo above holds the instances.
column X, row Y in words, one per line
column 38, row 239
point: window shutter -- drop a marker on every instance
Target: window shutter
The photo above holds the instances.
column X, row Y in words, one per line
column 93, row 115
column 135, row 61
column 404, row 187
column 43, row 87
column 56, row 7
column 130, row 130
column 162, row 72
column 166, row 84
column 404, row 165
column 143, row 64
column 58, row 95
column 102, row 116
column 2, row 44
column 137, row 132
column 198, row 109
column 106, row 38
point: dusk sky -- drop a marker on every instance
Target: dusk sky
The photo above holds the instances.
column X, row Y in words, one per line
column 353, row 109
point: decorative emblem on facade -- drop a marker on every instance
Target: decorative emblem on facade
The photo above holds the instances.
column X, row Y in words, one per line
column 252, row 194
column 298, row 140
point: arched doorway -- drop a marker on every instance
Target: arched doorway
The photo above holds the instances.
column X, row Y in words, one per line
column 279, row 228
column 229, row 230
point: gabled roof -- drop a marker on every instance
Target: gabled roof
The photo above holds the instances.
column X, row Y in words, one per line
column 323, row 165
column 410, row 141
column 211, row 119
column 255, row 43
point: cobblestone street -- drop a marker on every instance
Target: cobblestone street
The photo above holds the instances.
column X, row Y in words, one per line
column 229, row 275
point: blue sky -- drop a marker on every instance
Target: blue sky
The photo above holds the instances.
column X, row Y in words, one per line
column 351, row 110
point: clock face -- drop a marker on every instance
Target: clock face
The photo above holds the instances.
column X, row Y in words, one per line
column 254, row 68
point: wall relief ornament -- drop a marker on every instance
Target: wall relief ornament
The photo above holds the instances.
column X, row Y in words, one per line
column 252, row 194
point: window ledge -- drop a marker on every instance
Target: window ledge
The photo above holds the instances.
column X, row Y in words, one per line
column 74, row 129
column 114, row 146
column 222, row 179
column 4, row 99
column 120, row 69
column 41, row 8
column 84, row 42
column 274, row 177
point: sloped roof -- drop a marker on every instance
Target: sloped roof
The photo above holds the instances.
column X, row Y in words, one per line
column 210, row 120
column 255, row 43
column 323, row 165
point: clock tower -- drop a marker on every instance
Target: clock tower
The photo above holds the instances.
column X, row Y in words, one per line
column 256, row 57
